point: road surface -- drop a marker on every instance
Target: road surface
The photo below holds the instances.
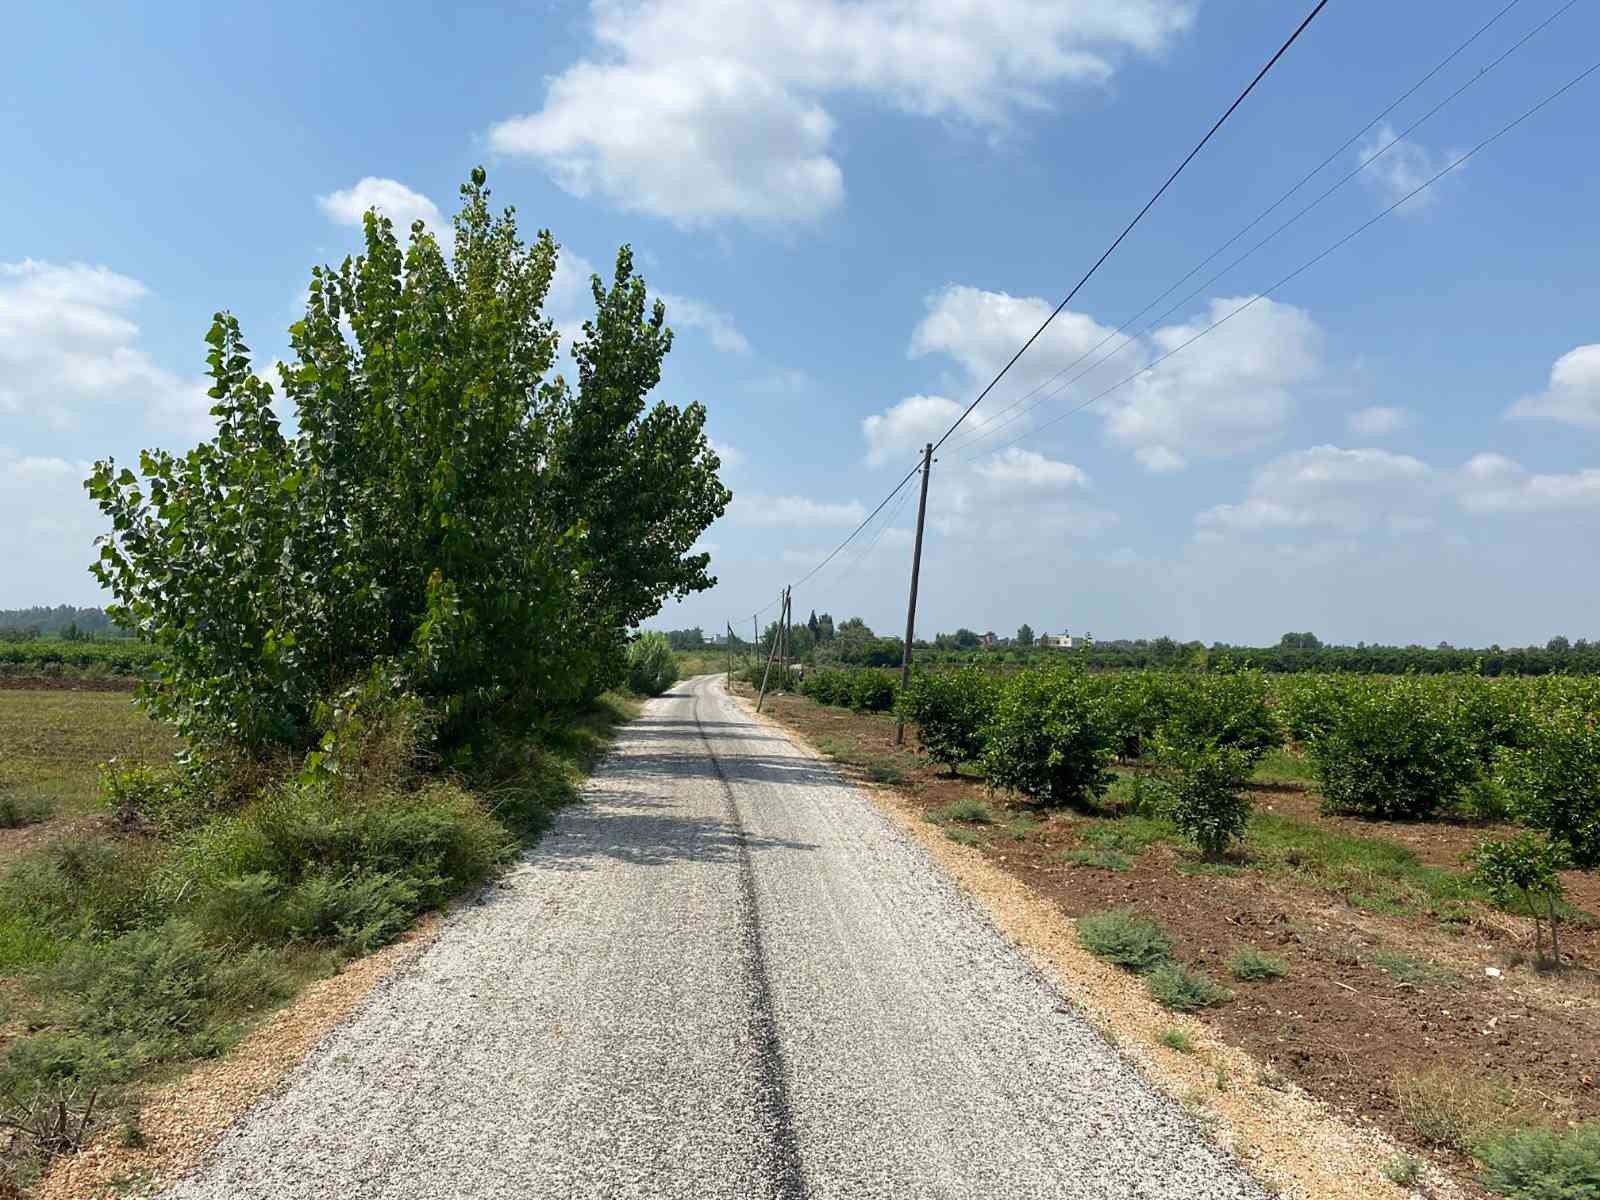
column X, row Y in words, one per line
column 727, row 974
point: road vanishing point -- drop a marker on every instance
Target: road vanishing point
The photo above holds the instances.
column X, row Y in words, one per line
column 727, row 974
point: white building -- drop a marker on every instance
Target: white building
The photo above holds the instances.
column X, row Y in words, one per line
column 1056, row 641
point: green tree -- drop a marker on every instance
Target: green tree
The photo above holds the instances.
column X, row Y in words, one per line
column 1025, row 635
column 448, row 506
column 1520, row 874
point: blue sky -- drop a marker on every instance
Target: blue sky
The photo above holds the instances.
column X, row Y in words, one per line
column 856, row 211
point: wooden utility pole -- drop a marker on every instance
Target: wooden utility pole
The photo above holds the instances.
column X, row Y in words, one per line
column 777, row 636
column 730, row 652
column 911, row 606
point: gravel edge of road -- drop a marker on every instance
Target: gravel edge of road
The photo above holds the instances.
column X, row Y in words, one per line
column 1289, row 1141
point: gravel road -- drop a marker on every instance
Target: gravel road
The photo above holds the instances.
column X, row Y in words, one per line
column 727, row 974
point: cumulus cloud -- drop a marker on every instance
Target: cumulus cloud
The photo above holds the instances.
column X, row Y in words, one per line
column 697, row 110
column 1231, row 391
column 46, row 538
column 901, row 430
column 1398, row 170
column 1346, row 491
column 392, row 198
column 1379, row 421
column 1573, row 397
column 70, row 357
column 797, row 511
column 684, row 313
column 1493, row 483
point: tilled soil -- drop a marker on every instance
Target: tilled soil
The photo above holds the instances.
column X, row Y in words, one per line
column 1340, row 1025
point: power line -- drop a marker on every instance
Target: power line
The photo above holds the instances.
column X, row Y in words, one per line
column 853, row 534
column 993, row 429
column 1314, row 260
column 1271, row 208
column 1149, row 204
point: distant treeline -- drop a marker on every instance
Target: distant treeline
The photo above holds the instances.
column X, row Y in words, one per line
column 856, row 645
column 63, row 621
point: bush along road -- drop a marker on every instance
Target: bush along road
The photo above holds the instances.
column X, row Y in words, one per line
column 726, row 974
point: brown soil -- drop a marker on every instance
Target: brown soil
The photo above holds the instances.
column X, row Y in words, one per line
column 68, row 683
column 1338, row 1025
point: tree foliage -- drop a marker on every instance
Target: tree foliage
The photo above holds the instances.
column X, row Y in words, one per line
column 449, row 504
column 950, row 710
column 652, row 667
column 1049, row 738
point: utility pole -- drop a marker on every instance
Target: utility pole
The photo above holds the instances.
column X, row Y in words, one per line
column 911, row 606
column 730, row 652
column 777, row 637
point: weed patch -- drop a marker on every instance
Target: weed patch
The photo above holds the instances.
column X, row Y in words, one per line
column 1105, row 860
column 1184, row 989
column 1248, row 964
column 968, row 809
column 1125, row 937
column 1450, row 1109
column 1176, row 1039
column 1541, row 1164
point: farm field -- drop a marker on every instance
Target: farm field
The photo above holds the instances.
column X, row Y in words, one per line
column 1361, row 959
column 49, row 656
column 52, row 742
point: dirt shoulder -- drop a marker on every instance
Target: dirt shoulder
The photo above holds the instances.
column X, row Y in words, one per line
column 1390, row 1030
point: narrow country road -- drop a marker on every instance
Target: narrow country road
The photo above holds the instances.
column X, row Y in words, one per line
column 726, row 975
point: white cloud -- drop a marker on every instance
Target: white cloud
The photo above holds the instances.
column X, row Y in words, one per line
column 684, row 313
column 392, row 198
column 1399, row 170
column 1493, row 483
column 731, row 456
column 903, row 429
column 569, row 288
column 1573, row 396
column 981, row 331
column 703, row 109
column 47, row 537
column 70, row 359
column 1348, row 491
column 1379, row 421
column 799, row 511
column 1015, row 468
column 1159, row 460
column 1231, row 391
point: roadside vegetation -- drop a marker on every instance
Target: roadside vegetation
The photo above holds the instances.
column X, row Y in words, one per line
column 388, row 646
column 1354, row 877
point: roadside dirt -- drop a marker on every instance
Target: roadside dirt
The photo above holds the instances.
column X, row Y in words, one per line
column 1369, row 999
column 68, row 683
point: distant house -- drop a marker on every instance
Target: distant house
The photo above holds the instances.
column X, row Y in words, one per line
column 987, row 641
column 1056, row 641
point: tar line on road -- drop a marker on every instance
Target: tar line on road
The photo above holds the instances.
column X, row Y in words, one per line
column 788, row 1180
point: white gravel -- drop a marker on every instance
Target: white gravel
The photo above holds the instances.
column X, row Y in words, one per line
column 725, row 975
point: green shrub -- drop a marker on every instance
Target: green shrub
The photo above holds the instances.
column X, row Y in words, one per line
column 1554, row 783
column 1136, row 704
column 1176, row 1039
column 1520, row 874
column 17, row 811
column 1209, row 805
column 1183, row 989
column 1230, row 710
column 1308, row 703
column 950, row 710
column 967, row 808
column 1125, row 937
column 1249, row 964
column 358, row 913
column 652, row 667
column 1393, row 750
column 871, row 689
column 1541, row 1164
column 1105, row 860
column 84, row 885
column 1049, row 738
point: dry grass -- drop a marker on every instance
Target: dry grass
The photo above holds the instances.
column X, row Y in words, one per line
column 1450, row 1109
